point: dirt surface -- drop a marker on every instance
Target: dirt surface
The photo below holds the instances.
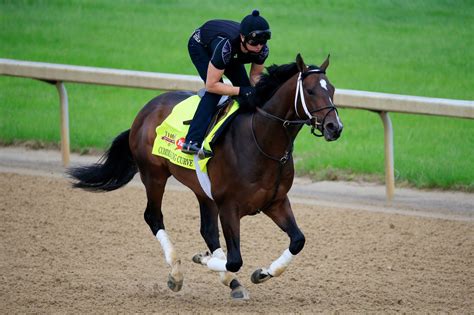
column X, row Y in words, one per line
column 64, row 250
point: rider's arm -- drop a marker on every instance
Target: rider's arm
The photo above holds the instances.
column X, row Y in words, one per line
column 221, row 56
column 214, row 85
column 255, row 72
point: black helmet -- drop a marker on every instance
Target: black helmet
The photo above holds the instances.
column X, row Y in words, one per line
column 255, row 29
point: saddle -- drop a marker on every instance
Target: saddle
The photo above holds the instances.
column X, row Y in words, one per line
column 170, row 134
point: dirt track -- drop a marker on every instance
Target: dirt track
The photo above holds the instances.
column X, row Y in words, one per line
column 64, row 250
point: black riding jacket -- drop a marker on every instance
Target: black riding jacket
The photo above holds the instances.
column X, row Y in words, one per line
column 221, row 39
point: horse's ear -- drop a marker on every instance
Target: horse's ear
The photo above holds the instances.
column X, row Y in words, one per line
column 300, row 63
column 325, row 64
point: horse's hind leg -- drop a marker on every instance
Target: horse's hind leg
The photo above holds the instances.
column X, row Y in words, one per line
column 155, row 187
column 210, row 234
column 282, row 215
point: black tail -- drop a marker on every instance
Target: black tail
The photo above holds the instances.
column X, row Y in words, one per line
column 114, row 169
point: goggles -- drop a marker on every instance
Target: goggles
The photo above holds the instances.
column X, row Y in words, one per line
column 255, row 38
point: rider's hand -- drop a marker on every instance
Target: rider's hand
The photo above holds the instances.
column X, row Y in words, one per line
column 246, row 91
column 246, row 98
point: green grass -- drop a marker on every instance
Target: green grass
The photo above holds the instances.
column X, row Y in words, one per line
column 421, row 48
column 430, row 152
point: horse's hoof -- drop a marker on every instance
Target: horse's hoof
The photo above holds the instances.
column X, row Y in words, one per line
column 201, row 258
column 258, row 276
column 239, row 294
column 197, row 258
column 173, row 284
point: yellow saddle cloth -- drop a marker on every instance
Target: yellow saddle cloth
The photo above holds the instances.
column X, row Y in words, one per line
column 171, row 133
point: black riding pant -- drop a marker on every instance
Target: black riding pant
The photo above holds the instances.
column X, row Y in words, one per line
column 207, row 106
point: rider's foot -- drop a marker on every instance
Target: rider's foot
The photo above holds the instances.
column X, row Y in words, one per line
column 190, row 147
column 194, row 148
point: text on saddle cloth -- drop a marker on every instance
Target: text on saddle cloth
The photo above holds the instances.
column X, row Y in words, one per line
column 170, row 134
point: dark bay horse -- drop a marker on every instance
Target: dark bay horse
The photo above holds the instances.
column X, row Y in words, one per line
column 252, row 169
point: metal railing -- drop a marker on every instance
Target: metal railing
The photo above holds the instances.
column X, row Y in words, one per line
column 381, row 103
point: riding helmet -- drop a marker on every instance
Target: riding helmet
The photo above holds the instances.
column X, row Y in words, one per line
column 255, row 28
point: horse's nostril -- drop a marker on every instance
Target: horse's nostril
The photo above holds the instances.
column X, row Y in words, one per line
column 330, row 127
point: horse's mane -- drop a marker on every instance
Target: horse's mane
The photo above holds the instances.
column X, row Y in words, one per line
column 270, row 82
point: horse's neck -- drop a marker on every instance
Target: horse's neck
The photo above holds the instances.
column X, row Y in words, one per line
column 281, row 103
column 273, row 137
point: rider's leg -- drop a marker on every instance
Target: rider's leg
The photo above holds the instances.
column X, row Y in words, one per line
column 200, row 57
column 207, row 105
column 200, row 123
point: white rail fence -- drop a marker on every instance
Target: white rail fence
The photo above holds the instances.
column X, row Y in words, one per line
column 381, row 103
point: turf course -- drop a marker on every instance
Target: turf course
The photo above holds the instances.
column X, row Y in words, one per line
column 420, row 48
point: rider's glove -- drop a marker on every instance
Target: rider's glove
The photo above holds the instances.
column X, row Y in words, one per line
column 246, row 91
column 246, row 98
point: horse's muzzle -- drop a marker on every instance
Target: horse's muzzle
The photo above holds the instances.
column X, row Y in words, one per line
column 332, row 130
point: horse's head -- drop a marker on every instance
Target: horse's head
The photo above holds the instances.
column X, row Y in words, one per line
column 313, row 99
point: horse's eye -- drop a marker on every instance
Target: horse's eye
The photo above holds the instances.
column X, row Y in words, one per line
column 310, row 92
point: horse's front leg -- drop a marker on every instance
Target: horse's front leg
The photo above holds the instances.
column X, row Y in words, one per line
column 216, row 259
column 282, row 215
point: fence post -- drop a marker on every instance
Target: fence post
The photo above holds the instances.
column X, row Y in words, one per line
column 65, row 149
column 389, row 167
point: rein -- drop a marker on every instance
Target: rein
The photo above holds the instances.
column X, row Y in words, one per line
column 286, row 123
column 286, row 156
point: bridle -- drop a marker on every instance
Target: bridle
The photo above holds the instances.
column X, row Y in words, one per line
column 311, row 121
column 299, row 92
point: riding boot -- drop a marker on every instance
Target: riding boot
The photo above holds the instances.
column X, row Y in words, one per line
column 199, row 124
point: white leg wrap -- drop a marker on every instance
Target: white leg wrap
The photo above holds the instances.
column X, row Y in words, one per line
column 219, row 253
column 225, row 276
column 217, row 264
column 278, row 266
column 217, row 261
column 168, row 249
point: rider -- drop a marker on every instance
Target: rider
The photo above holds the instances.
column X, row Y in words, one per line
column 222, row 47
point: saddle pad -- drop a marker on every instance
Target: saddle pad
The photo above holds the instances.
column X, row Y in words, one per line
column 171, row 133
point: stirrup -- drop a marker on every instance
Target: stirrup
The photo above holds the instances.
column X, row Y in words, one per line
column 203, row 154
column 190, row 148
column 194, row 149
